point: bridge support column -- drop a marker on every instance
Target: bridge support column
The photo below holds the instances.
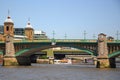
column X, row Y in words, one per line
column 51, row 60
column 9, row 57
column 95, row 61
column 102, row 60
column 106, row 63
column 50, row 54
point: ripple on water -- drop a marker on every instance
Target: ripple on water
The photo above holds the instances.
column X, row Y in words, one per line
column 58, row 72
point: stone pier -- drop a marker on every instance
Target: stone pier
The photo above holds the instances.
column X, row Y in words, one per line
column 10, row 61
column 9, row 58
column 103, row 62
column 102, row 59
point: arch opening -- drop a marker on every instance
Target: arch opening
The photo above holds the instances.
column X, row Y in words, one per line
column 30, row 51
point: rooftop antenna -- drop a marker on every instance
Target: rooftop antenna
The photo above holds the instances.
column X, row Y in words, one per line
column 8, row 14
column 29, row 21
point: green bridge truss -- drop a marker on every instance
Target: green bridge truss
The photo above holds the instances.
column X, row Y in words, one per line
column 62, row 41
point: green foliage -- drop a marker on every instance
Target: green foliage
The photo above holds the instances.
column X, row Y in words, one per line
column 43, row 57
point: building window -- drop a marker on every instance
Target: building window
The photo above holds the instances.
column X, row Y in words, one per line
column 7, row 28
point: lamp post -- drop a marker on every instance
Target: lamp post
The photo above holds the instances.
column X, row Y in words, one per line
column 84, row 35
column 117, row 35
column 94, row 36
column 65, row 36
column 53, row 34
column 53, row 39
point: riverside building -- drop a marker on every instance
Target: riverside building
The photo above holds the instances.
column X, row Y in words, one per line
column 27, row 33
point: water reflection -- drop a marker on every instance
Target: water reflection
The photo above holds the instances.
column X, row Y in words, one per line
column 58, row 72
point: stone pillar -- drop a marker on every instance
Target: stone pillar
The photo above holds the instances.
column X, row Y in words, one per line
column 95, row 61
column 50, row 54
column 51, row 60
column 9, row 57
column 102, row 58
column 103, row 62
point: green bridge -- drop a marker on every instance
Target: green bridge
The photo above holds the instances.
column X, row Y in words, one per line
column 100, row 48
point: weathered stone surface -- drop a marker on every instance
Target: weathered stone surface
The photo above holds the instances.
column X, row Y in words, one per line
column 51, row 61
column 102, row 59
column 10, row 61
column 43, row 61
column 103, row 63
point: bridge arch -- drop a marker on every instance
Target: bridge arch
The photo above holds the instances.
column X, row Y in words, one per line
column 30, row 51
column 114, row 54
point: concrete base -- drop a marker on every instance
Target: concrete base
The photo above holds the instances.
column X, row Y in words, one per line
column 103, row 63
column 10, row 61
column 106, row 63
column 16, row 61
column 95, row 61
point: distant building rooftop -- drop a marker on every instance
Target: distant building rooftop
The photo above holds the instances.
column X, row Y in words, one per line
column 39, row 32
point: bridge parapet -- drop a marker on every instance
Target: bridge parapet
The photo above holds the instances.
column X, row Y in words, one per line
column 65, row 40
column 60, row 40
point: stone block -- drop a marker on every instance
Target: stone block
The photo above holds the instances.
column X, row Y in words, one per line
column 10, row 61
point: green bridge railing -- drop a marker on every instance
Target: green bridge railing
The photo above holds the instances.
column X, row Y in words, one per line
column 62, row 40
column 65, row 40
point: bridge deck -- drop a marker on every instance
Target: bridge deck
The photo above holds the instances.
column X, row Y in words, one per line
column 62, row 40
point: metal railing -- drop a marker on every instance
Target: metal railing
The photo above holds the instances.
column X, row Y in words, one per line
column 63, row 40
column 60, row 40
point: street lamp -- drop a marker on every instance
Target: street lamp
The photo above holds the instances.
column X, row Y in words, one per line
column 65, row 36
column 53, row 39
column 53, row 34
column 84, row 35
column 117, row 34
column 94, row 36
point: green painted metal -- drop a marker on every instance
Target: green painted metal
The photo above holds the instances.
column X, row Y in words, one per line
column 21, row 51
column 58, row 40
column 114, row 54
column 1, row 52
column 50, row 53
column 63, row 40
column 89, row 52
column 63, row 43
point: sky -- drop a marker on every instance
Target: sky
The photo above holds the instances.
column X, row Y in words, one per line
column 70, row 17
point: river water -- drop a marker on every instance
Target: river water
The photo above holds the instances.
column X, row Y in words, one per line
column 58, row 72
